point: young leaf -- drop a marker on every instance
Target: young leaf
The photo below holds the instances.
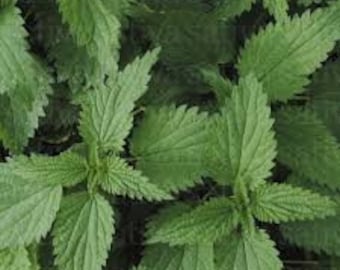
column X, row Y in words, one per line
column 120, row 179
column 281, row 202
column 27, row 209
column 92, row 26
column 14, row 259
column 106, row 118
column 297, row 48
column 306, row 146
column 204, row 224
column 195, row 257
column 67, row 169
column 247, row 252
column 278, row 8
column 169, row 146
column 83, row 232
column 242, row 141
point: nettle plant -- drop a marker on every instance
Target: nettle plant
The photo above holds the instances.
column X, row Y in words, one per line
column 32, row 187
column 238, row 133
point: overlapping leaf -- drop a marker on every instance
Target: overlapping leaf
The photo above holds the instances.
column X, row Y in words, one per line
column 66, row 169
column 242, row 141
column 22, row 79
column 106, row 118
column 297, row 48
column 324, row 96
column 169, row 145
column 92, row 26
column 320, row 235
column 120, row 179
column 184, row 36
column 83, row 232
column 282, row 202
column 14, row 259
column 204, row 224
column 27, row 209
column 195, row 257
column 307, row 146
column 242, row 251
column 231, row 8
column 278, row 8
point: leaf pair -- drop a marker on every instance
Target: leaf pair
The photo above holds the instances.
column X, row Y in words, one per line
column 221, row 216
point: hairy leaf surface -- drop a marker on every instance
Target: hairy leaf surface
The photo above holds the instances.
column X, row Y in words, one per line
column 83, row 232
column 204, row 224
column 120, row 179
column 241, row 251
column 195, row 257
column 242, row 141
column 107, row 117
column 27, row 209
column 169, row 145
column 65, row 169
column 282, row 202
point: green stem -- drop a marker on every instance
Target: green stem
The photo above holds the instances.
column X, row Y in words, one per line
column 242, row 197
column 94, row 163
column 93, row 156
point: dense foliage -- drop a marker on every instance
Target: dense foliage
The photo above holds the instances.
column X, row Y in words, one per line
column 169, row 135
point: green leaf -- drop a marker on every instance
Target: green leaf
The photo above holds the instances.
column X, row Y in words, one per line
column 221, row 86
column 307, row 146
column 107, row 117
column 73, row 64
column 120, row 179
column 309, row 2
column 169, row 145
column 83, row 232
column 66, row 169
column 17, row 64
column 278, row 8
column 324, row 96
column 320, row 235
column 184, row 36
column 242, row 251
column 165, row 215
column 23, row 81
column 14, row 259
column 204, row 224
column 92, row 26
column 27, row 210
column 196, row 257
column 242, row 141
column 231, row 8
column 281, row 202
column 293, row 56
